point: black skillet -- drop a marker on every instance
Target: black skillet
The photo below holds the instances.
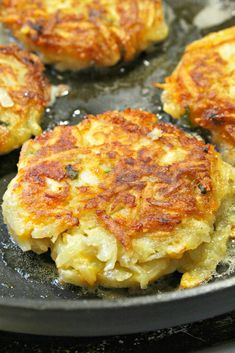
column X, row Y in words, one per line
column 31, row 298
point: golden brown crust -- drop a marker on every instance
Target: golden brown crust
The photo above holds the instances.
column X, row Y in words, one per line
column 24, row 94
column 75, row 34
column 146, row 176
column 204, row 83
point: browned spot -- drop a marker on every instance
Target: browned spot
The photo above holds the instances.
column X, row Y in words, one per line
column 129, row 161
column 38, row 172
column 111, row 154
column 154, row 222
column 113, row 227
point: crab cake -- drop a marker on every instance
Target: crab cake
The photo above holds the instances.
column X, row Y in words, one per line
column 78, row 34
column 24, row 92
column 203, row 85
column 122, row 200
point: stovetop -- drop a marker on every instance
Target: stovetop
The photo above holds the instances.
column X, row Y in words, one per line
column 215, row 335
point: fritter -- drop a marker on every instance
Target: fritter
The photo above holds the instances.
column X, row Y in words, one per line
column 78, row 34
column 203, row 86
column 121, row 200
column 24, row 92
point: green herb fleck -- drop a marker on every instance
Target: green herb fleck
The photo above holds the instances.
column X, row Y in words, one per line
column 106, row 169
column 3, row 123
column 185, row 119
column 71, row 173
column 202, row 189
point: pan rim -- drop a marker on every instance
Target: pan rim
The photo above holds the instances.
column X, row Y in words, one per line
column 99, row 304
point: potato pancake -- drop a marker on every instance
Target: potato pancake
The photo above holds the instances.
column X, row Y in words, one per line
column 121, row 200
column 24, row 92
column 203, row 86
column 78, row 34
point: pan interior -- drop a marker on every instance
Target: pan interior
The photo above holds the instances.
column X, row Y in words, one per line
column 26, row 275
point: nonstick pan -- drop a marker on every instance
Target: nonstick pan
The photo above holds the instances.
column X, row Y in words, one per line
column 31, row 298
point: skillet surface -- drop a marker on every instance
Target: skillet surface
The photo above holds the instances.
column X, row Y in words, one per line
column 31, row 298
